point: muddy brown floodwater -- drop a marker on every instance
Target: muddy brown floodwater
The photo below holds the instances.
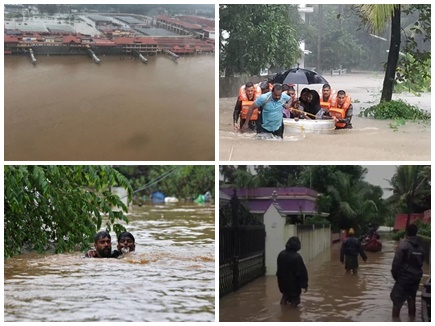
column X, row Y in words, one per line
column 69, row 108
column 333, row 295
column 170, row 276
column 369, row 140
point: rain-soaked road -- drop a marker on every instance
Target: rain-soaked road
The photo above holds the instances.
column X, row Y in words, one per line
column 333, row 295
column 170, row 276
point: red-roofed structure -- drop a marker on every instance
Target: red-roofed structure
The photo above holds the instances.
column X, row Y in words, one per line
column 11, row 39
column 70, row 39
column 197, row 20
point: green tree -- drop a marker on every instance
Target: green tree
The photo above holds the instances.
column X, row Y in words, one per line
column 186, row 181
column 410, row 186
column 59, row 205
column 414, row 67
column 376, row 17
column 279, row 175
column 259, row 37
column 352, row 204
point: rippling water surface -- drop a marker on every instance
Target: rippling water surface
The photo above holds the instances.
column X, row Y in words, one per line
column 333, row 295
column 170, row 276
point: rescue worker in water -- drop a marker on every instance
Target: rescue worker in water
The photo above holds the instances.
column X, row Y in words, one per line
column 350, row 249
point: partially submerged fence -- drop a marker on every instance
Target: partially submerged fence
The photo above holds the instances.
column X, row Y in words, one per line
column 241, row 247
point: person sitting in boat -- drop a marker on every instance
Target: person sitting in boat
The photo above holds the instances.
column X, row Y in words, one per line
column 313, row 109
column 297, row 107
column 270, row 105
column 248, row 93
column 290, row 91
column 342, row 109
column 350, row 249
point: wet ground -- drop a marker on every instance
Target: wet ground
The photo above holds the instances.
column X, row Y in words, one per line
column 333, row 295
column 170, row 276
column 369, row 140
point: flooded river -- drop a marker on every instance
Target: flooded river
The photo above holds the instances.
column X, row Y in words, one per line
column 69, row 108
column 170, row 277
column 333, row 295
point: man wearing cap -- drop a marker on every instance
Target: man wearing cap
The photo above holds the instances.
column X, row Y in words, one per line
column 350, row 248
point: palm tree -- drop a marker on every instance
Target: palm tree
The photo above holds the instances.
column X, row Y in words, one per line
column 376, row 17
column 409, row 185
column 354, row 204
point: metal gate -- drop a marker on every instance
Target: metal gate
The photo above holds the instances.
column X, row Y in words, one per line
column 241, row 247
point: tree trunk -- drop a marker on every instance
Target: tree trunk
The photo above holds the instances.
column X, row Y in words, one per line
column 393, row 56
column 319, row 38
column 408, row 218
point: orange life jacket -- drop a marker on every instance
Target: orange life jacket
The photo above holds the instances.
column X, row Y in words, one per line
column 246, row 103
column 245, row 108
column 340, row 113
column 327, row 104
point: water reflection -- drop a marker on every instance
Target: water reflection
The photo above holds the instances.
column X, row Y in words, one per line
column 170, row 277
column 333, row 295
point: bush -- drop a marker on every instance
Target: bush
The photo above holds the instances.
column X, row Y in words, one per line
column 316, row 220
column 395, row 110
column 423, row 229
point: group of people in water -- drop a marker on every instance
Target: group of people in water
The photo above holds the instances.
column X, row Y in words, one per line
column 262, row 107
column 103, row 245
column 406, row 269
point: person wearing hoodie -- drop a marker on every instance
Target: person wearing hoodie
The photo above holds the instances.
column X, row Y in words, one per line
column 291, row 273
column 350, row 249
column 407, row 272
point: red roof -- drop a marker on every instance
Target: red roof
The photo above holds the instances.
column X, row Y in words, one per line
column 11, row 39
column 70, row 38
column 103, row 42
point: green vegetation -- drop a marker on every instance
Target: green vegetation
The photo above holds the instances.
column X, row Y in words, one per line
column 416, row 80
column 183, row 182
column 344, row 195
column 59, row 206
column 255, row 37
column 423, row 230
column 395, row 110
column 62, row 207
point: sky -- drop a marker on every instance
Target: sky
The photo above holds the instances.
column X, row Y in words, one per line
column 377, row 174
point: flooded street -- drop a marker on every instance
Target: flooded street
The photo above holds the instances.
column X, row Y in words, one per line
column 369, row 140
column 170, row 276
column 69, row 108
column 333, row 295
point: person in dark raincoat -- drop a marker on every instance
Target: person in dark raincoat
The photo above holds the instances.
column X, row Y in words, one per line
column 350, row 249
column 291, row 273
column 407, row 272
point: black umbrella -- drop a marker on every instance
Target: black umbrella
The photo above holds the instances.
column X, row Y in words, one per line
column 299, row 76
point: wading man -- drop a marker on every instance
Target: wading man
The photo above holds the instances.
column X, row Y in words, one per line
column 407, row 272
column 291, row 273
column 350, row 249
